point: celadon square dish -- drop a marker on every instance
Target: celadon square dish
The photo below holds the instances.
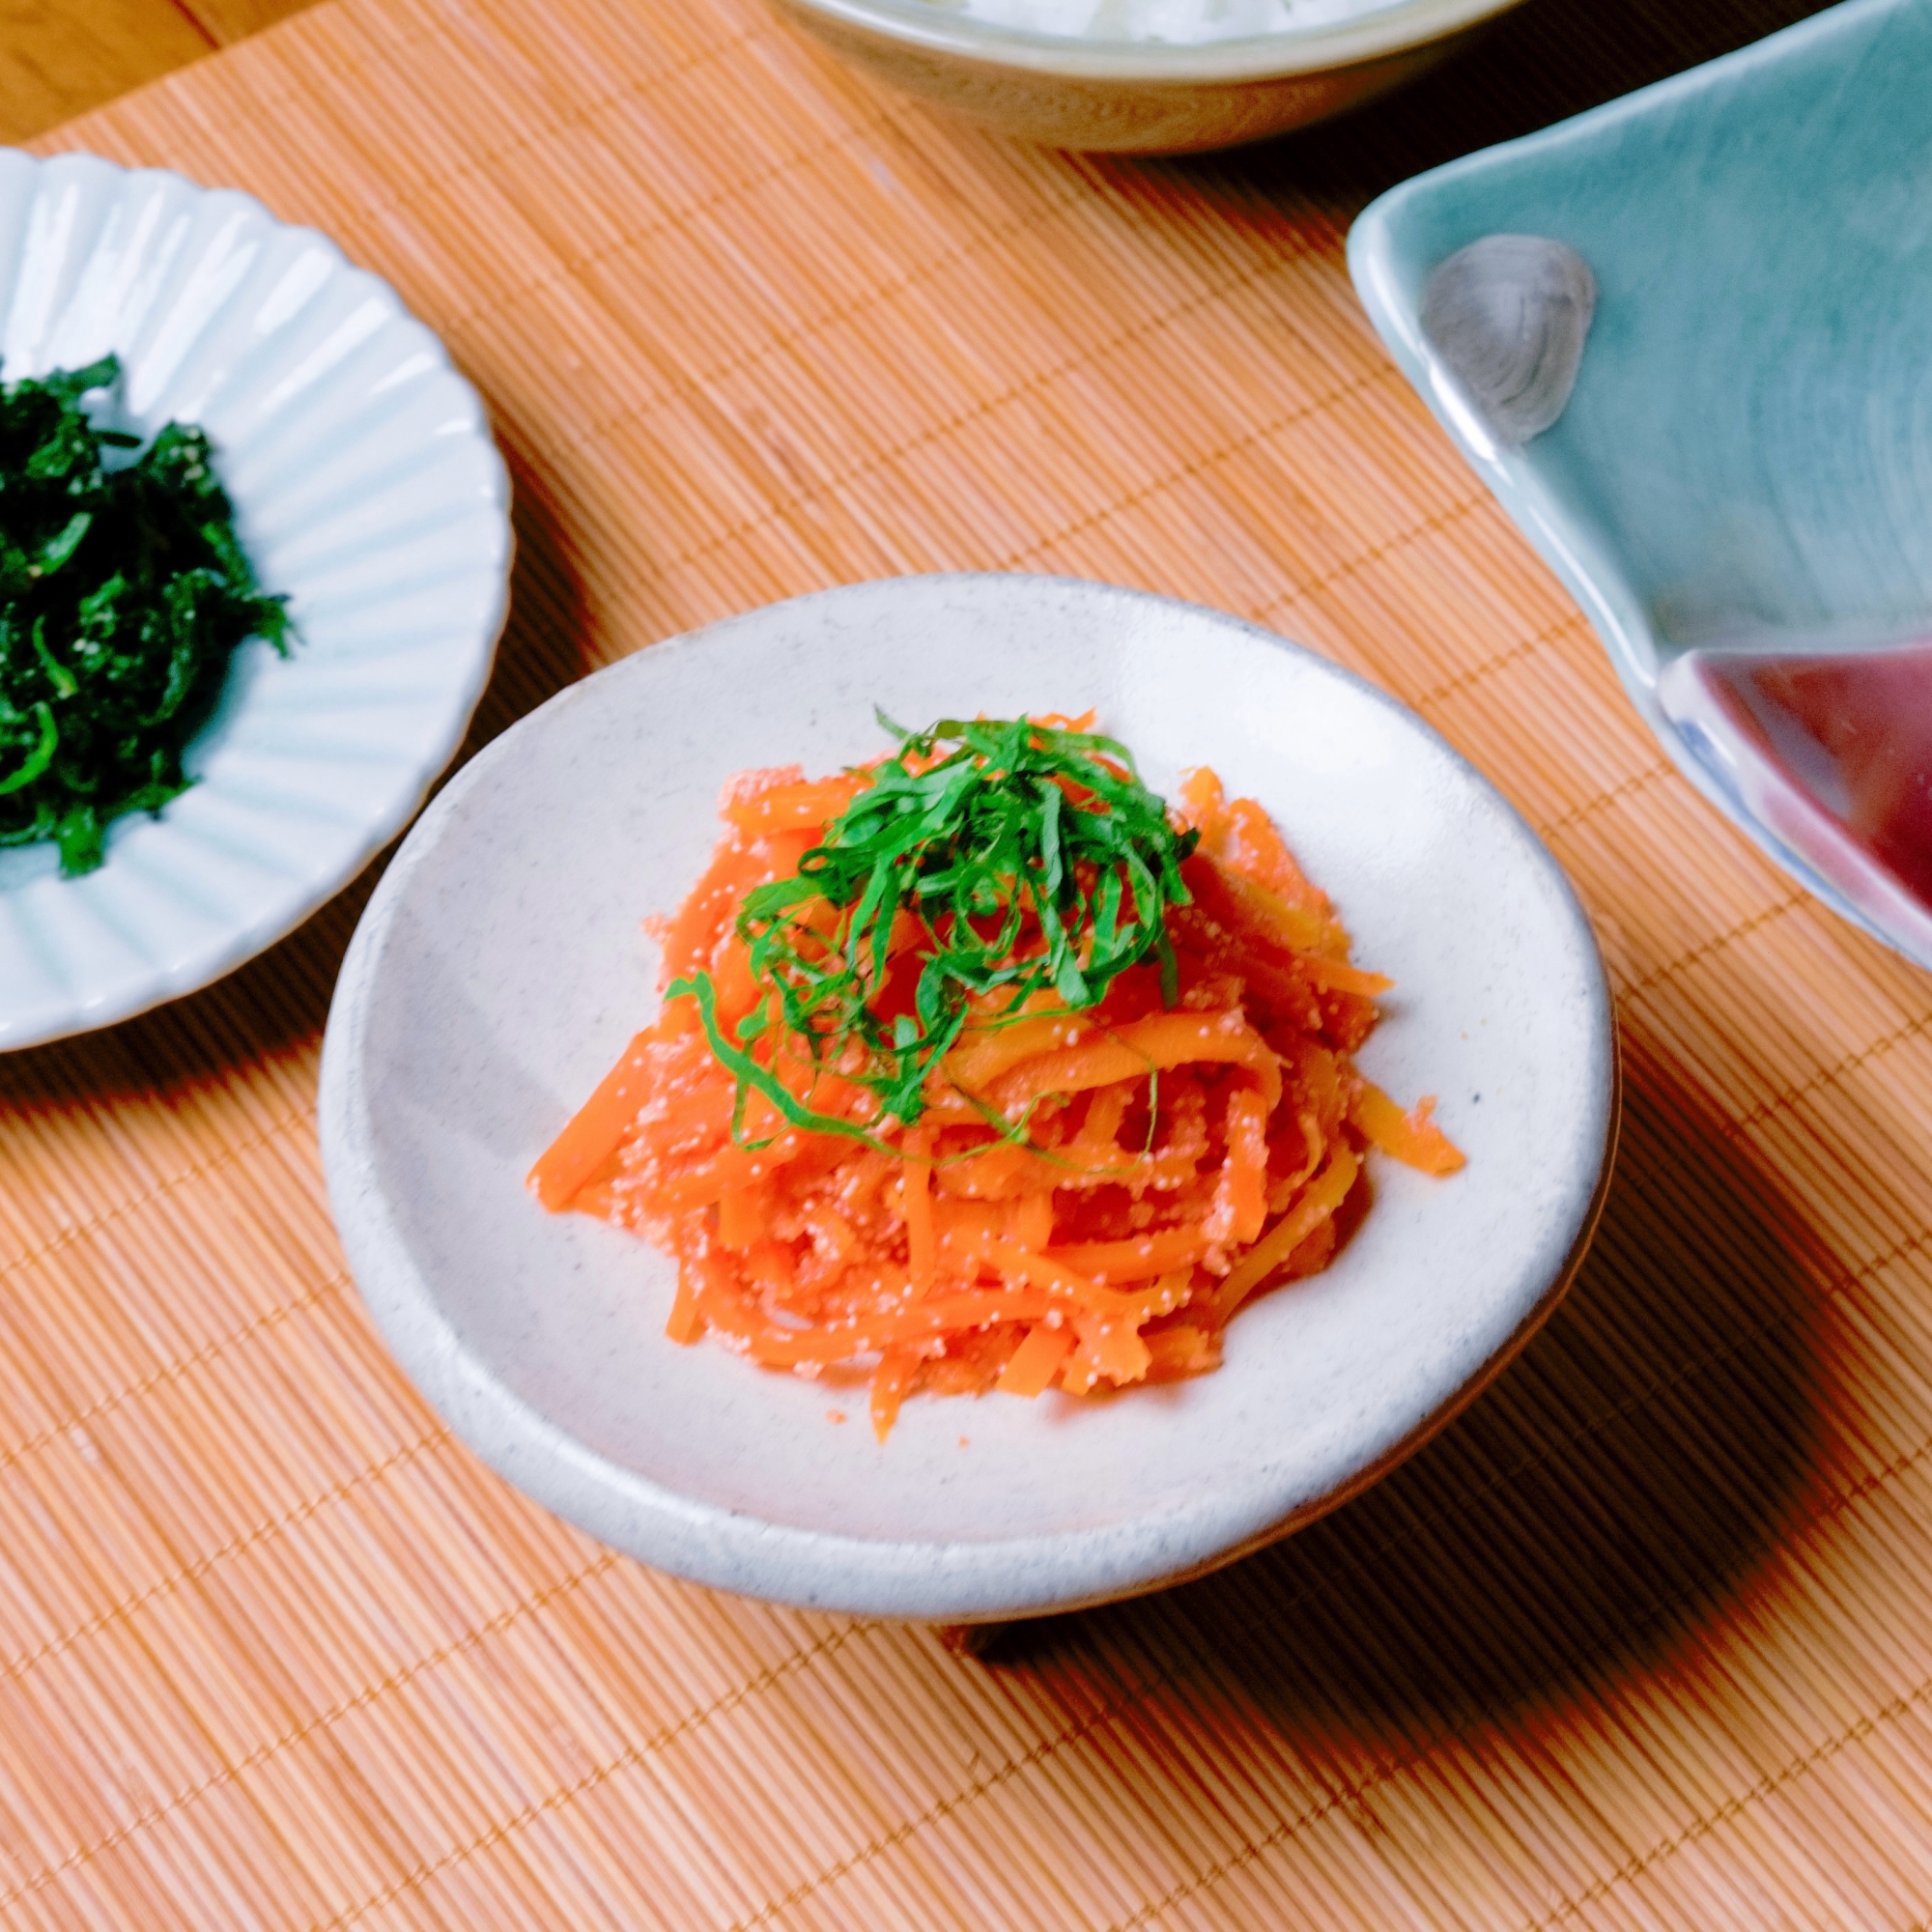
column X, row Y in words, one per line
column 1747, row 452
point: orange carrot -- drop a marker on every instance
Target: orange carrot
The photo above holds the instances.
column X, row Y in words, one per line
column 1138, row 1258
column 1104, row 1351
column 1181, row 1350
column 894, row 1375
column 1147, row 1046
column 715, row 899
column 1324, row 1194
column 1254, row 849
column 1240, row 1194
column 916, row 1172
column 1412, row 1138
column 1202, row 798
column 1337, row 976
column 595, row 1131
column 1252, row 911
column 1087, row 1199
column 1027, row 1268
column 1036, row 1361
column 794, row 807
column 787, row 1348
column 741, row 1216
column 686, row 1325
column 982, row 1057
column 1029, row 1220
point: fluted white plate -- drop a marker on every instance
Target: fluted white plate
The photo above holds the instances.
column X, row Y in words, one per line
column 365, row 486
column 500, row 969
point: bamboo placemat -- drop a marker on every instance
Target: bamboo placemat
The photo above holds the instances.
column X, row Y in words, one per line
column 1640, row 1642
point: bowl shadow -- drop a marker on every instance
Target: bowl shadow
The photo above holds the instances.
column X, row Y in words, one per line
column 1588, row 1519
column 1541, row 63
column 279, row 1000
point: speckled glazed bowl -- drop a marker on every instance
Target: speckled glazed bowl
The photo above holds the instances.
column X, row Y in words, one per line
column 1140, row 96
column 500, row 969
column 1746, row 462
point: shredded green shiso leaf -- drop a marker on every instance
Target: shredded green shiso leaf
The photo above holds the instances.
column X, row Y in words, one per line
column 123, row 595
column 1031, row 857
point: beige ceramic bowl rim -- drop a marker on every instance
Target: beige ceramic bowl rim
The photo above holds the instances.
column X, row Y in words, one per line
column 1388, row 30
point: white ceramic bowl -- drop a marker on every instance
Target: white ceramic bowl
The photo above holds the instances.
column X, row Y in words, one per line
column 1140, row 96
column 366, row 485
column 500, row 968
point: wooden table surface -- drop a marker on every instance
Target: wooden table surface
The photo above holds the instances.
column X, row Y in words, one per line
column 58, row 58
column 1639, row 1642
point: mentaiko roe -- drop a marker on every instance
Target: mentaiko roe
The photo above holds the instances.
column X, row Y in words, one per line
column 1088, row 1196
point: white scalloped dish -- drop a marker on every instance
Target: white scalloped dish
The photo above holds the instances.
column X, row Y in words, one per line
column 365, row 486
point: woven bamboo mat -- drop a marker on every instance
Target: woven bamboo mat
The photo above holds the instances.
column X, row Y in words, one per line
column 1640, row 1642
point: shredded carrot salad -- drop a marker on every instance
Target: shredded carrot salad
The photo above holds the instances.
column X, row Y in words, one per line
column 1046, row 1184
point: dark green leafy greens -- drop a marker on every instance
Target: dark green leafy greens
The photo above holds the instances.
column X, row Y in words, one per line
column 123, row 595
column 1030, row 858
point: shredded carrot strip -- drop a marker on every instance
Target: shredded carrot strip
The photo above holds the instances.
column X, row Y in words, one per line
column 1242, row 843
column 1110, row 1351
column 1088, row 1198
column 1029, row 1220
column 686, row 1323
column 1412, row 1138
column 793, row 808
column 1324, row 1194
column 1136, row 1257
column 981, row 1059
column 1338, row 976
column 699, row 923
column 1036, row 1361
column 1240, row 1193
column 595, row 1131
column 916, row 1208
column 891, row 1381
column 1182, row 1351
column 1141, row 1047
column 741, row 1216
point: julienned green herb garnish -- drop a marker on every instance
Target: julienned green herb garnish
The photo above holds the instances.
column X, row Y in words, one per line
column 1030, row 858
column 123, row 595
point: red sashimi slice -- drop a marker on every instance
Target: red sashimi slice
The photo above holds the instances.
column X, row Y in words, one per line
column 1833, row 753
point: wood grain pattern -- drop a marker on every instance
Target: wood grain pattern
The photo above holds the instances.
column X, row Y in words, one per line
column 1639, row 1642
column 59, row 58
column 227, row 21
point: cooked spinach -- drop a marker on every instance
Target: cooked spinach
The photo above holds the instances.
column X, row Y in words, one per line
column 123, row 595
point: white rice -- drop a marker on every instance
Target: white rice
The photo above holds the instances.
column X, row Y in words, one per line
column 1178, row 23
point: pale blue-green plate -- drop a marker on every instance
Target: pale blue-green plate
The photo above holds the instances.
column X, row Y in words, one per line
column 1747, row 452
